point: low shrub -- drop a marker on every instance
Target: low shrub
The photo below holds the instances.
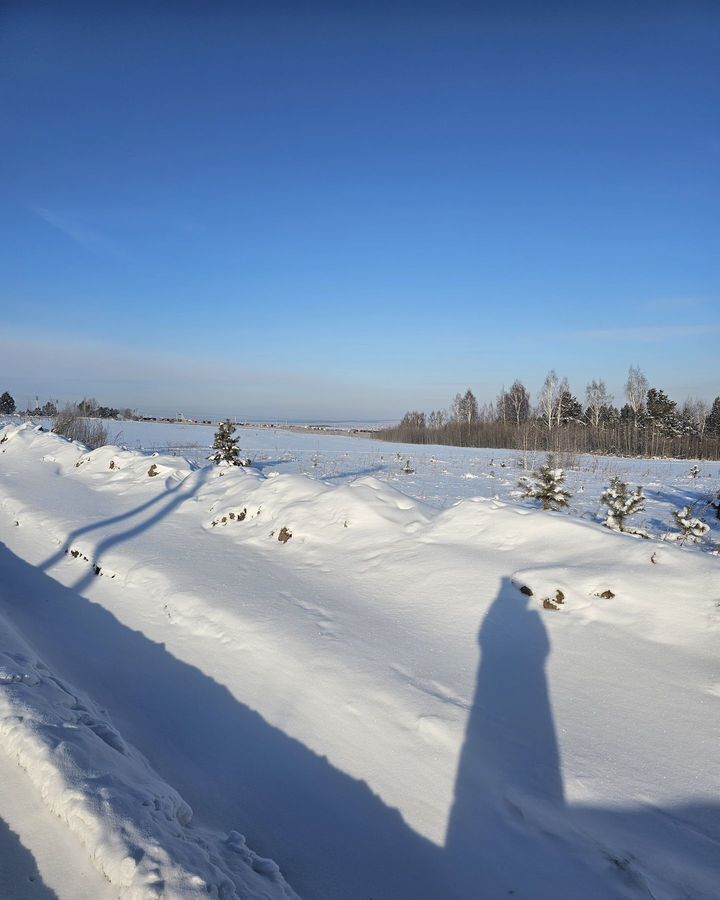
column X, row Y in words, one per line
column 71, row 424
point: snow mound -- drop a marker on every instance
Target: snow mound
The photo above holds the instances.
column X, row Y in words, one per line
column 314, row 511
column 109, row 465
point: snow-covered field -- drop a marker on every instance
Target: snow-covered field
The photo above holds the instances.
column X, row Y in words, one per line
column 444, row 475
column 374, row 705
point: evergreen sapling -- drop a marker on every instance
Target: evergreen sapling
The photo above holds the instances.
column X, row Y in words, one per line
column 546, row 485
column 691, row 528
column 621, row 503
column 226, row 446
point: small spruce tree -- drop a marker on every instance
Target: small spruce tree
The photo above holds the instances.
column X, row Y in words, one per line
column 691, row 528
column 621, row 503
column 546, row 485
column 7, row 403
column 225, row 445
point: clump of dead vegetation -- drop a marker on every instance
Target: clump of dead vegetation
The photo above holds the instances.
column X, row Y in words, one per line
column 70, row 423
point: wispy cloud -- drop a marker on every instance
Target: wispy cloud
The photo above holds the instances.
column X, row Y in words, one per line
column 649, row 334
column 79, row 232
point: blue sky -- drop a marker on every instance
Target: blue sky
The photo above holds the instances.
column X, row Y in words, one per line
column 347, row 210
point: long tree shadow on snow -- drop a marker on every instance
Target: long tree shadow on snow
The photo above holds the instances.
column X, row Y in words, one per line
column 233, row 767
column 509, row 833
column 363, row 472
column 161, row 506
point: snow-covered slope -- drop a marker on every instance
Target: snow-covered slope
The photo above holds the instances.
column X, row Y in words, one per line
column 327, row 697
column 135, row 828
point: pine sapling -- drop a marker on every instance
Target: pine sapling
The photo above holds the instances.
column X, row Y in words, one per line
column 691, row 527
column 546, row 485
column 621, row 503
column 226, row 446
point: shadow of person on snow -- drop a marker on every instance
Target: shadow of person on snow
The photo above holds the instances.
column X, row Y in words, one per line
column 509, row 791
column 510, row 815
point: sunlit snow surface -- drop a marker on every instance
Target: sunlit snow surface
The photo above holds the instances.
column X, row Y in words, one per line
column 444, row 475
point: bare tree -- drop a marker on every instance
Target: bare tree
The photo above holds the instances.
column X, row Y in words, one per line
column 470, row 407
column 694, row 413
column 636, row 389
column 548, row 398
column 465, row 408
column 502, row 406
column 488, row 413
column 597, row 399
column 413, row 419
column 457, row 408
column 518, row 400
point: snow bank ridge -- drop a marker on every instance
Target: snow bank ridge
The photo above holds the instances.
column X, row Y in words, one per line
column 136, row 829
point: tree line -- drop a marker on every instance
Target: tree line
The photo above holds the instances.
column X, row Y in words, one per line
column 87, row 407
column 649, row 423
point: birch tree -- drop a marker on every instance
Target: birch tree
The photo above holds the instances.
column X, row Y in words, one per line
column 636, row 389
column 520, row 401
column 549, row 396
column 597, row 399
